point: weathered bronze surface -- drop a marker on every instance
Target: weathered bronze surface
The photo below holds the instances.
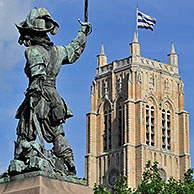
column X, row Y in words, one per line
column 43, row 111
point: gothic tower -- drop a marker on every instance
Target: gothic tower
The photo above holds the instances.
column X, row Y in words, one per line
column 137, row 114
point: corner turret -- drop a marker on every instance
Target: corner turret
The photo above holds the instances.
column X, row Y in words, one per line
column 102, row 58
column 173, row 57
column 135, row 46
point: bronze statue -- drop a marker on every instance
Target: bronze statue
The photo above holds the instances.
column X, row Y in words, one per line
column 43, row 110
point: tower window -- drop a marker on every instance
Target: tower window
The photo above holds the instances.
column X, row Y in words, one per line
column 100, row 168
column 108, row 160
column 107, row 129
column 166, row 131
column 150, row 126
column 120, row 125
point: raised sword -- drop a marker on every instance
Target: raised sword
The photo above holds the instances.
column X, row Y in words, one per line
column 86, row 23
column 86, row 11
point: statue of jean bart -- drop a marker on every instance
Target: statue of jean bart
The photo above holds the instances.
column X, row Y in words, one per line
column 43, row 111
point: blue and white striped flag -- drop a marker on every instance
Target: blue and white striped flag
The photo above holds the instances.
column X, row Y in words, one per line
column 145, row 21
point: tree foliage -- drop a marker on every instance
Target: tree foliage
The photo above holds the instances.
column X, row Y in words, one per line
column 152, row 183
column 100, row 189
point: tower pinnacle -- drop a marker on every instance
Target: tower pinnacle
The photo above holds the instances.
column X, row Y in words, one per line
column 135, row 37
column 173, row 57
column 135, row 46
column 102, row 49
column 102, row 58
column 172, row 48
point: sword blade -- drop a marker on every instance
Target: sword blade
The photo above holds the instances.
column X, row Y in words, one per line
column 86, row 11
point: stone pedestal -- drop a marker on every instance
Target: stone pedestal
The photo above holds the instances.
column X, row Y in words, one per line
column 43, row 185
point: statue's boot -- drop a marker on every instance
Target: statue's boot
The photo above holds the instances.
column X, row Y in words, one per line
column 63, row 150
column 69, row 161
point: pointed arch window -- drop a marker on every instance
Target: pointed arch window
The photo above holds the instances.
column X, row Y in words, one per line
column 100, row 170
column 150, row 125
column 120, row 124
column 107, row 128
column 166, row 129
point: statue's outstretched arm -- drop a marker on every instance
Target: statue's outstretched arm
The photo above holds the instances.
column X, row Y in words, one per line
column 74, row 49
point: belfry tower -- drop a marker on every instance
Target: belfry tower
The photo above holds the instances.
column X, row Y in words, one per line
column 137, row 114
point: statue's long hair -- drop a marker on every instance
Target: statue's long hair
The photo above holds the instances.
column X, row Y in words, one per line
column 35, row 38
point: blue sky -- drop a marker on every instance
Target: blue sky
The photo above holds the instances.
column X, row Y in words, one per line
column 113, row 23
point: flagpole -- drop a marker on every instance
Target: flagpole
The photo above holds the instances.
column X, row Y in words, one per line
column 137, row 20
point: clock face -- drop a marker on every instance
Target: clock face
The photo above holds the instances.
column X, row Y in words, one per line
column 112, row 176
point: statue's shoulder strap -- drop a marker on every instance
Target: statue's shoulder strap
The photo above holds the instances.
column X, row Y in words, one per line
column 52, row 59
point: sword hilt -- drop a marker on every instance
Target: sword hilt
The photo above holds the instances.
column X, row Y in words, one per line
column 88, row 24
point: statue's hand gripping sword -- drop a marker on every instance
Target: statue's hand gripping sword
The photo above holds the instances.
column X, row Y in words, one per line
column 86, row 23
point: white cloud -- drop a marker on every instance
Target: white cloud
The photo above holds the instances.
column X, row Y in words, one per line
column 15, row 11
column 52, row 6
column 12, row 11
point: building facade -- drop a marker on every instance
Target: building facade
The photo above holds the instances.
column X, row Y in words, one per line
column 137, row 114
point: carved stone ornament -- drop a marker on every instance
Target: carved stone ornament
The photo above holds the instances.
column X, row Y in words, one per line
column 130, row 77
column 163, row 174
column 93, row 87
column 139, row 79
column 106, row 88
column 119, row 84
column 112, row 176
column 151, row 81
column 181, row 89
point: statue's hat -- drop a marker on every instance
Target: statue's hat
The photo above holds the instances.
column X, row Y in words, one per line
column 38, row 20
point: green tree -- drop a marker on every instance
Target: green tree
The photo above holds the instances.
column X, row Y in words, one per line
column 180, row 187
column 152, row 183
column 121, row 185
column 100, row 189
